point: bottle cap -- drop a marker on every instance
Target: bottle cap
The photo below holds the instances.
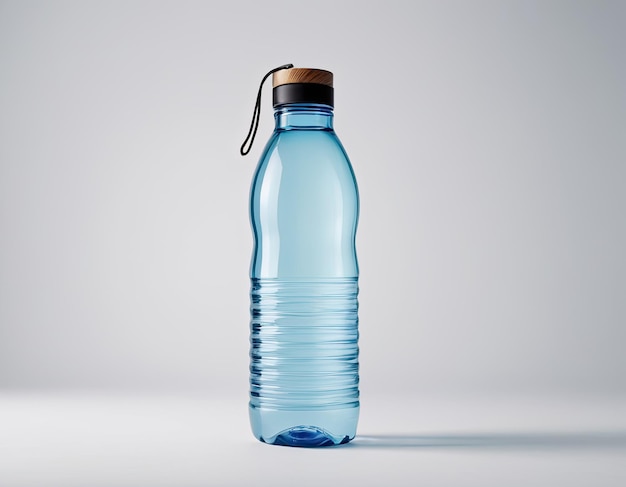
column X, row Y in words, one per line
column 302, row 75
column 302, row 85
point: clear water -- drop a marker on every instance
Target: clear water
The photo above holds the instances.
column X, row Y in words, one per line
column 304, row 360
column 304, row 285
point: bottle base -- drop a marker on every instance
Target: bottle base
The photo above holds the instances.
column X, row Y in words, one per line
column 305, row 437
column 303, row 428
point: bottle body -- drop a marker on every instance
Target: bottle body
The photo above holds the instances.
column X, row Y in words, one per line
column 304, row 285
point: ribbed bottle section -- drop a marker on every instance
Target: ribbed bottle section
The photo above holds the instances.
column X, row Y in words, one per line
column 304, row 344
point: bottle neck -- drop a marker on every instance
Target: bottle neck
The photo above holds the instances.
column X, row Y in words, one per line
column 300, row 116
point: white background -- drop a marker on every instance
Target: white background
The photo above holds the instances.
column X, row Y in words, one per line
column 489, row 144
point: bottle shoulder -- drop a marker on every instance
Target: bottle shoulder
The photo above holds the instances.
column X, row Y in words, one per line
column 301, row 166
column 317, row 141
column 301, row 148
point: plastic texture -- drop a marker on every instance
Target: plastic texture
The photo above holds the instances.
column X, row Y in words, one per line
column 304, row 284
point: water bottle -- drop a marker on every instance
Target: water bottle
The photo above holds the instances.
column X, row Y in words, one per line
column 304, row 207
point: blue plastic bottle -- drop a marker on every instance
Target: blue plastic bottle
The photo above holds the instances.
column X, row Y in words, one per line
column 304, row 209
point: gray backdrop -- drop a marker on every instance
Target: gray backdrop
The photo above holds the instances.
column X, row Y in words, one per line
column 489, row 143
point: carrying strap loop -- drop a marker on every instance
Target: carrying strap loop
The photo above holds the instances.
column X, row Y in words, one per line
column 254, row 125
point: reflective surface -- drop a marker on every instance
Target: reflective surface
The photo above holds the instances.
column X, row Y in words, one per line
column 304, row 322
column 78, row 439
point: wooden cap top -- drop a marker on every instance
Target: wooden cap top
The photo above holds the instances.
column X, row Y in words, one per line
column 302, row 75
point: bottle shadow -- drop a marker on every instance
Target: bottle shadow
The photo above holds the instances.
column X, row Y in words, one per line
column 582, row 440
